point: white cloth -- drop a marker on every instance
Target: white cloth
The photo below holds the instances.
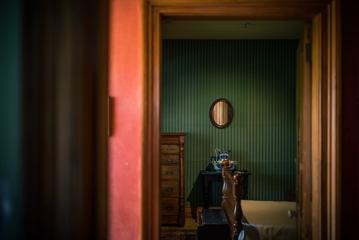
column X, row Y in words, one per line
column 267, row 232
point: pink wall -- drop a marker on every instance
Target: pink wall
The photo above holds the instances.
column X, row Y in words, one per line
column 126, row 74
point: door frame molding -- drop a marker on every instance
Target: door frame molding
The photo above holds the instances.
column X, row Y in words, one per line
column 321, row 121
column 64, row 119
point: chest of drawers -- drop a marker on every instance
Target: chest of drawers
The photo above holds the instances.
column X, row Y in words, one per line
column 172, row 178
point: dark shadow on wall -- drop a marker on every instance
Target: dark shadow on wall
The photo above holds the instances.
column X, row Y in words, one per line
column 195, row 196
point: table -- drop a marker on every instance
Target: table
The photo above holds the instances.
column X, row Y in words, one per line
column 208, row 177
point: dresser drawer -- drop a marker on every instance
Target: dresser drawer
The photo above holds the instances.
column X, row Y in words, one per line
column 172, row 182
column 169, row 159
column 170, row 234
column 169, row 220
column 170, row 206
column 170, row 172
column 169, row 188
column 170, row 149
column 170, row 139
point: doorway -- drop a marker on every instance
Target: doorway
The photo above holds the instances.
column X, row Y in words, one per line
column 252, row 64
column 313, row 140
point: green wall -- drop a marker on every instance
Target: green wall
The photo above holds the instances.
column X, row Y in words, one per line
column 10, row 82
column 258, row 77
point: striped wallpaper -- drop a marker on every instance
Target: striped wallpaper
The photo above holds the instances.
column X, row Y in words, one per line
column 258, row 77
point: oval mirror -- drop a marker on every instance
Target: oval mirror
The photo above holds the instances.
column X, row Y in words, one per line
column 221, row 113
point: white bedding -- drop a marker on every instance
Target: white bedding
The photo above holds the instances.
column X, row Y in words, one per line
column 268, row 220
column 267, row 232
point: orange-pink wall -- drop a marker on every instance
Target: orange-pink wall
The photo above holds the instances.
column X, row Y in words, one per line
column 126, row 74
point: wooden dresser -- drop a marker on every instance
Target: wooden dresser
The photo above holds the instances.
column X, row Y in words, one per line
column 172, row 178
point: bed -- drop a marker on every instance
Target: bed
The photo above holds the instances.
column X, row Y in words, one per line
column 269, row 220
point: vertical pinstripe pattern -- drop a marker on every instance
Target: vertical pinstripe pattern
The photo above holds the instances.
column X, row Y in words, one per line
column 258, row 78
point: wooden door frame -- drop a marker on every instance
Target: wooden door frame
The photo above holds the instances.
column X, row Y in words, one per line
column 65, row 119
column 320, row 122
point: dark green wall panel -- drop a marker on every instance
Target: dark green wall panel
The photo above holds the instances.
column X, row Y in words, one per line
column 258, row 77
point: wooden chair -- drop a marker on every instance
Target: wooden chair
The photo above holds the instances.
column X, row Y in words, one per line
column 231, row 201
column 225, row 223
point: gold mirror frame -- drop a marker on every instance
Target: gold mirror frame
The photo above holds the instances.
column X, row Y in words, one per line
column 224, row 111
